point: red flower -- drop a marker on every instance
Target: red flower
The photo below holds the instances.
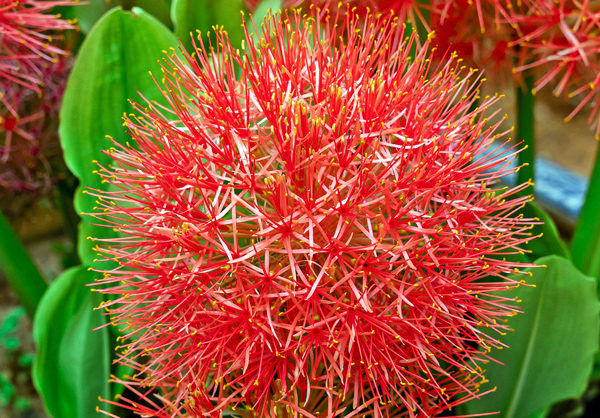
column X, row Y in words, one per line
column 311, row 237
column 29, row 146
column 26, row 41
column 487, row 13
column 480, row 32
column 561, row 43
column 411, row 10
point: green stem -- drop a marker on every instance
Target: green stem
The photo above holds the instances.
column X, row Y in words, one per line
column 586, row 240
column 20, row 270
column 525, row 130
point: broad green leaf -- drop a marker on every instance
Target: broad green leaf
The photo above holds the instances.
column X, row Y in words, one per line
column 73, row 364
column 585, row 246
column 264, row 7
column 19, row 269
column 540, row 414
column 552, row 347
column 595, row 376
column 550, row 241
column 160, row 9
column 89, row 12
column 112, row 67
column 189, row 16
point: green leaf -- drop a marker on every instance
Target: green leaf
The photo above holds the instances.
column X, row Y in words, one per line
column 550, row 242
column 88, row 13
column 265, row 6
column 112, row 67
column 72, row 365
column 585, row 246
column 20, row 270
column 552, row 348
column 189, row 16
column 540, row 414
column 160, row 9
column 261, row 12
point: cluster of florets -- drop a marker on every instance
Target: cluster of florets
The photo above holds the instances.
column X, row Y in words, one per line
column 30, row 155
column 561, row 43
column 555, row 41
column 322, row 234
column 33, row 73
column 409, row 11
column 26, row 45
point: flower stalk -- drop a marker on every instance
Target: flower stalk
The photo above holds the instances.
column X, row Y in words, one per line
column 526, row 129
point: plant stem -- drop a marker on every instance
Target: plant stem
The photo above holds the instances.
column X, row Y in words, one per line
column 20, row 270
column 525, row 130
column 586, row 240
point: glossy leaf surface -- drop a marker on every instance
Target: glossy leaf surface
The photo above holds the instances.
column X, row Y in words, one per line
column 585, row 245
column 190, row 16
column 264, row 7
column 550, row 242
column 19, row 269
column 89, row 12
column 552, row 347
column 112, row 67
column 73, row 362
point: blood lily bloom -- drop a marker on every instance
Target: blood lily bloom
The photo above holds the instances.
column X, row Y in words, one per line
column 321, row 236
column 405, row 10
column 480, row 32
column 26, row 29
column 561, row 42
column 29, row 145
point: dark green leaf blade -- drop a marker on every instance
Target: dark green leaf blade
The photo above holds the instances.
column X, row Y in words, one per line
column 550, row 241
column 585, row 245
column 89, row 12
column 189, row 16
column 552, row 348
column 160, row 9
column 111, row 68
column 265, row 7
column 19, row 269
column 72, row 365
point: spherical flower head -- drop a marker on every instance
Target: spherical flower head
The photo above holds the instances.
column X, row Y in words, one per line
column 26, row 29
column 322, row 234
